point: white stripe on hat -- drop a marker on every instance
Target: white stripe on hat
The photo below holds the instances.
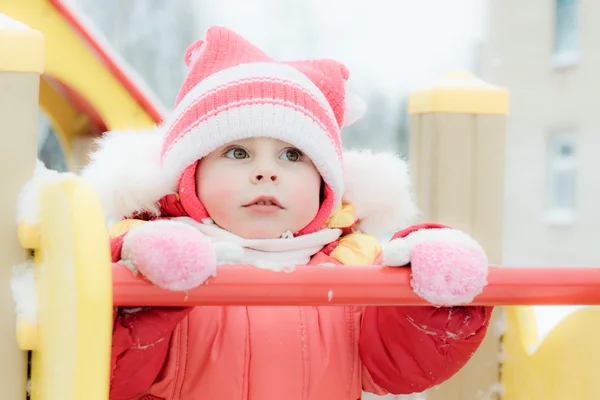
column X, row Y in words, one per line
column 258, row 120
column 249, row 70
column 184, row 130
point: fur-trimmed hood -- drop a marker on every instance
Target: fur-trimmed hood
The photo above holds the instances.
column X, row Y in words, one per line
column 126, row 172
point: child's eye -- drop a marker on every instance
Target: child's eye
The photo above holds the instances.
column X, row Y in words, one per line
column 236, row 153
column 292, row 155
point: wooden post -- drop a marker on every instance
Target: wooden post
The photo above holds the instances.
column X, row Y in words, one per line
column 21, row 63
column 457, row 144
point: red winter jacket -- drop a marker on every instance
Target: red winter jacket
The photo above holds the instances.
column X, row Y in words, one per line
column 294, row 353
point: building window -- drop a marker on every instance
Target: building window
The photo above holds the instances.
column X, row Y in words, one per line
column 562, row 182
column 566, row 35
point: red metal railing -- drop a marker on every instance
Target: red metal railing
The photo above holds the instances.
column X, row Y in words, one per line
column 347, row 285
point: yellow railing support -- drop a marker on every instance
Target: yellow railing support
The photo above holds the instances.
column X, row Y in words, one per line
column 21, row 63
column 72, row 341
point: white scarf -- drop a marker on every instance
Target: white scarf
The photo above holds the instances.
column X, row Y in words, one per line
column 273, row 254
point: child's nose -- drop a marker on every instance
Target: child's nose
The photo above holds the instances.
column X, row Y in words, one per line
column 264, row 172
column 265, row 169
column 265, row 176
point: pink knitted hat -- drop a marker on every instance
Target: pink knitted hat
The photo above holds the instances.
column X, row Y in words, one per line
column 235, row 91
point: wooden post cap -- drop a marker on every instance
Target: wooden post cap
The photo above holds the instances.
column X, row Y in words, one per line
column 21, row 48
column 459, row 92
column 29, row 236
column 27, row 335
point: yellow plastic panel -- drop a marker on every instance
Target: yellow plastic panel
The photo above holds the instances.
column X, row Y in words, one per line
column 71, row 61
column 62, row 116
column 73, row 273
column 459, row 92
column 25, row 46
column 566, row 365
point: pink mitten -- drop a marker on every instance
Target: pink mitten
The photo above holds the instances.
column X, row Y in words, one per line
column 170, row 254
column 448, row 267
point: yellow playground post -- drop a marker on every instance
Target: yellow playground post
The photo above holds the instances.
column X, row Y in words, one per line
column 68, row 332
column 70, row 343
column 21, row 63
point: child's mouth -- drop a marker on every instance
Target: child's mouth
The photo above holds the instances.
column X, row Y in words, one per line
column 264, row 205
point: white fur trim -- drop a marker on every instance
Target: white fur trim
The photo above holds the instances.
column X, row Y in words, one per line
column 249, row 70
column 398, row 252
column 130, row 266
column 259, row 120
column 126, row 172
column 28, row 204
column 355, row 108
column 378, row 186
column 24, row 292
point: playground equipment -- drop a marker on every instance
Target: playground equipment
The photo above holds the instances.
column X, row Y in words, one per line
column 85, row 88
column 19, row 83
column 346, row 285
column 564, row 365
column 77, row 286
column 70, row 342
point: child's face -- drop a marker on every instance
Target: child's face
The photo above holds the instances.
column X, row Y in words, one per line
column 259, row 188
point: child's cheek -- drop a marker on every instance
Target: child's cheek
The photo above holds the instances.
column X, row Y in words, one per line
column 215, row 183
column 306, row 196
column 222, row 189
column 220, row 197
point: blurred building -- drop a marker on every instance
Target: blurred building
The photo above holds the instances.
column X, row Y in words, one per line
column 546, row 53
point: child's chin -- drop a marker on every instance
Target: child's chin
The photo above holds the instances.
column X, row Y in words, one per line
column 261, row 235
column 260, row 232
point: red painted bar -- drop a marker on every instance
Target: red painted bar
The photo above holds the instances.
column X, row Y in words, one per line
column 365, row 285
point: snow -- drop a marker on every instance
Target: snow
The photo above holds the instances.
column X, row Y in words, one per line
column 22, row 286
column 499, row 327
column 492, row 392
column 28, row 204
column 8, row 23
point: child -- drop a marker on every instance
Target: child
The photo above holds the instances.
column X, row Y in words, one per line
column 249, row 169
